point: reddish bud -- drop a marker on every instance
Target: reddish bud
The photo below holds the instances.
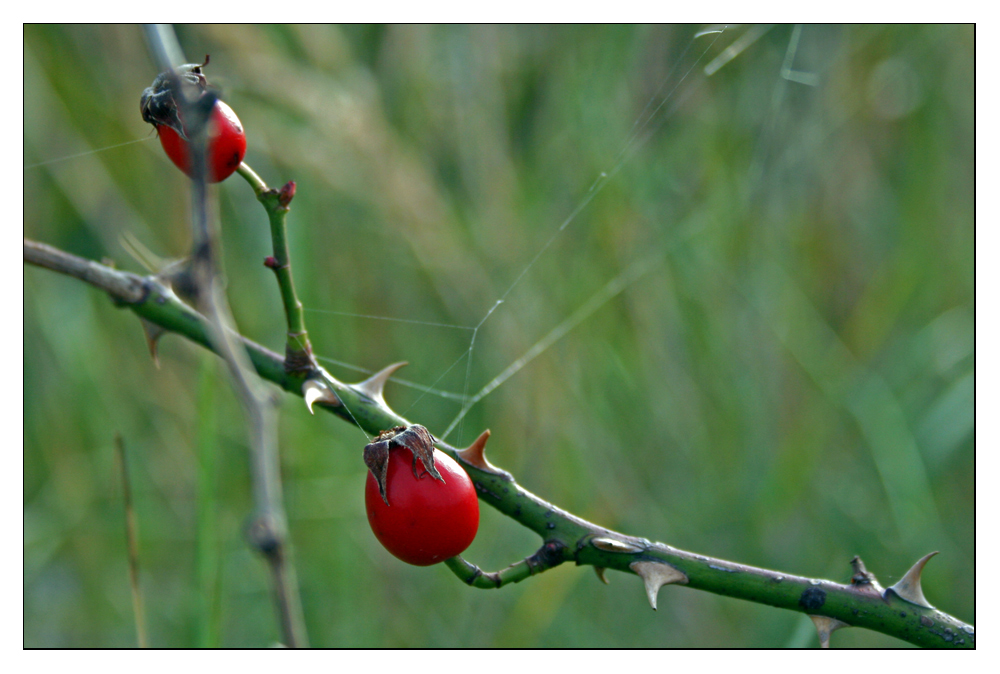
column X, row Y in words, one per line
column 270, row 262
column 286, row 193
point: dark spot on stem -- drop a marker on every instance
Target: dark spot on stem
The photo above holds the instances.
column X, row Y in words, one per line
column 263, row 537
column 547, row 556
column 812, row 598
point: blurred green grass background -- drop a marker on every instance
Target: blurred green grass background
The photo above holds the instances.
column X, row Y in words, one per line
column 789, row 385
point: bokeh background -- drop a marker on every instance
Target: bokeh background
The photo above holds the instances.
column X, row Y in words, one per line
column 788, row 382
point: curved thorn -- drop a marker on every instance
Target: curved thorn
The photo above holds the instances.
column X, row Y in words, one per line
column 655, row 575
column 600, row 571
column 315, row 391
column 475, row 454
column 372, row 387
column 908, row 587
column 153, row 333
column 312, row 392
column 825, row 626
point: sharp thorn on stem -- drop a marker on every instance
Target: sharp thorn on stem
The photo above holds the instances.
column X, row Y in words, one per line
column 602, row 574
column 153, row 333
column 655, row 575
column 475, row 455
column 373, row 386
column 825, row 626
column 315, row 391
column 908, row 587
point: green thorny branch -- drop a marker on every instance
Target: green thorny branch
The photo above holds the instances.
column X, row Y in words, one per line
column 900, row 610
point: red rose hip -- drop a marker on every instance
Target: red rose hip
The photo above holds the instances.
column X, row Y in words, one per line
column 227, row 144
column 425, row 521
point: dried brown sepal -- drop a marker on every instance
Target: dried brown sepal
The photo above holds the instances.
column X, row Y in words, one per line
column 415, row 438
column 376, row 457
column 158, row 105
column 419, row 440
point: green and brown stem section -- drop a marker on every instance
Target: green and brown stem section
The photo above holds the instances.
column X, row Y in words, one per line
column 298, row 351
column 565, row 537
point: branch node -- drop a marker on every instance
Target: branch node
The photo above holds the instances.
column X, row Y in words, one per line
column 299, row 359
column 546, row 557
column 265, row 537
column 861, row 575
column 863, row 579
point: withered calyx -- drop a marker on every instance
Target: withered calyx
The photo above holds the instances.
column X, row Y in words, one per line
column 416, row 438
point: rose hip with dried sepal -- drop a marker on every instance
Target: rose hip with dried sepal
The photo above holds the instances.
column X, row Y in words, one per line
column 422, row 507
column 227, row 143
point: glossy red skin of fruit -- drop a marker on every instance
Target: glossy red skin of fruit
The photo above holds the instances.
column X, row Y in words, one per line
column 426, row 521
column 227, row 144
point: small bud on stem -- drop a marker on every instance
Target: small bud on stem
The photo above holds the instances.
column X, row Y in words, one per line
column 286, row 193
